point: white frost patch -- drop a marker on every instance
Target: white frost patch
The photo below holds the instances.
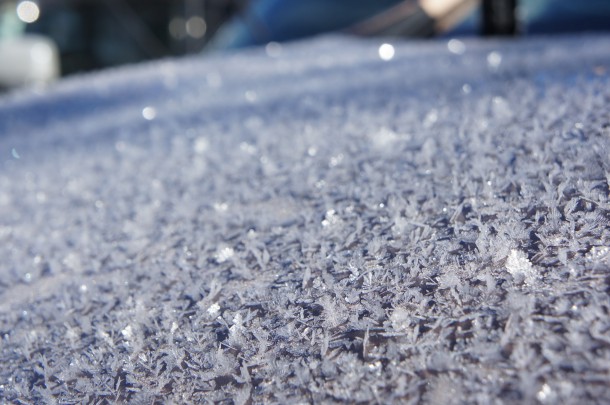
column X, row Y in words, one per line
column 494, row 59
column 336, row 160
column 221, row 206
column 72, row 334
column 223, row 254
column 214, row 309
column 73, row 262
column 400, row 319
column 456, row 46
column 431, row 118
column 501, row 108
column 520, row 267
column 127, row 332
column 598, row 253
column 546, row 395
column 200, row 145
column 331, row 218
column 237, row 327
column 385, row 138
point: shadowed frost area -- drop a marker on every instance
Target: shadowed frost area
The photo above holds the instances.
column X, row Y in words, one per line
column 333, row 221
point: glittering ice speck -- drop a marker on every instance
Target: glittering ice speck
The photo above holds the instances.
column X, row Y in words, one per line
column 149, row 113
column 386, row 52
column 456, row 46
column 273, row 49
column 494, row 59
column 200, row 145
column 251, row 96
column 223, row 254
column 214, row 309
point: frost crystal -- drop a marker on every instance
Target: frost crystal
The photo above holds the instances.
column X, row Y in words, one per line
column 223, row 254
column 214, row 309
column 400, row 319
column 127, row 332
column 518, row 265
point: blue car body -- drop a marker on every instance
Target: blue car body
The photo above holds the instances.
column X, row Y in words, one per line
column 266, row 21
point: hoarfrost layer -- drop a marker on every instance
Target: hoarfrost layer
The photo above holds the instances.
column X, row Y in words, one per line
column 331, row 222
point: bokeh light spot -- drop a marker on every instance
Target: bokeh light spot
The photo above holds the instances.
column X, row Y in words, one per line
column 28, row 11
column 386, row 52
column 196, row 27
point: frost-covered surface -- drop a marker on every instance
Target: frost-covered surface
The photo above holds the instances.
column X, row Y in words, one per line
column 318, row 225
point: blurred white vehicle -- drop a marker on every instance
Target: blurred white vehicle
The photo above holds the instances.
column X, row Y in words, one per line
column 74, row 36
column 28, row 60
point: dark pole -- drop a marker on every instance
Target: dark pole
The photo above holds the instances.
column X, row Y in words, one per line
column 499, row 17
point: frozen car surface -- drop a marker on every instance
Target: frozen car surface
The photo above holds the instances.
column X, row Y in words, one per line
column 314, row 223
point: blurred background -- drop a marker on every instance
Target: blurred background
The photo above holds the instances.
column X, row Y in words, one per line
column 72, row 36
column 41, row 40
